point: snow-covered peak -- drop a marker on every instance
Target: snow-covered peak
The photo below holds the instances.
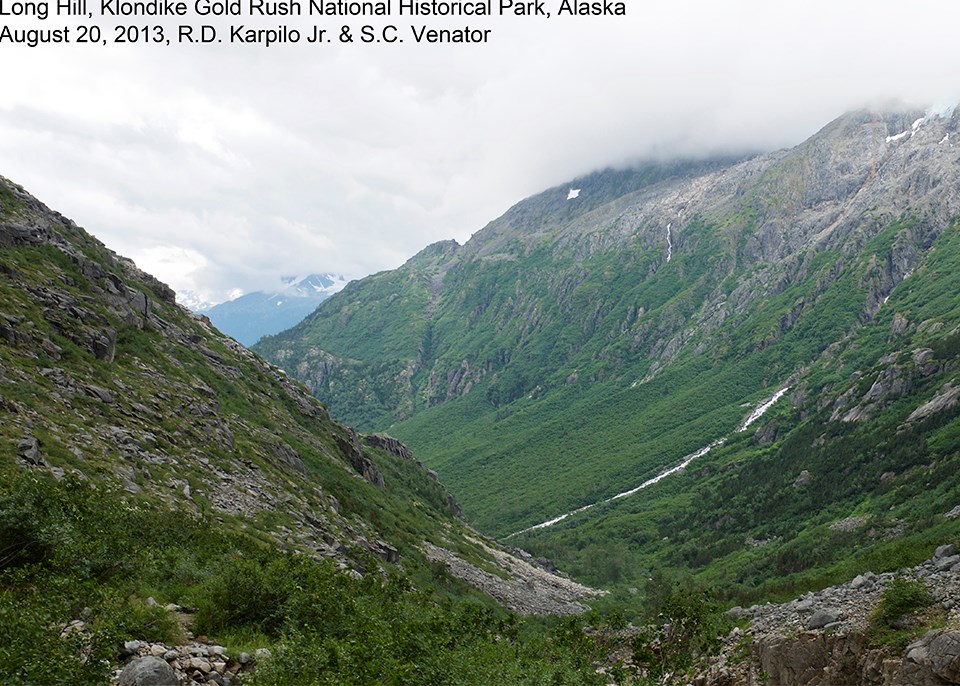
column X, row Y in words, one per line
column 313, row 285
column 193, row 301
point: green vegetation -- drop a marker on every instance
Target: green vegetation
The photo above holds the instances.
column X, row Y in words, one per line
column 560, row 359
column 895, row 620
column 145, row 460
column 689, row 626
column 72, row 551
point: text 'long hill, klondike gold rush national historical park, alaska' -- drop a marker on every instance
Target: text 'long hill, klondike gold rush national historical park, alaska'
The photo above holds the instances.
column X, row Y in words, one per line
column 28, row 22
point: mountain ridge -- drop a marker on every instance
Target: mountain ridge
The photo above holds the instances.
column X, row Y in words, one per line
column 554, row 361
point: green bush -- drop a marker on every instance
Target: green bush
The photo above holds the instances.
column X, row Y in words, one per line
column 34, row 653
column 689, row 626
column 893, row 621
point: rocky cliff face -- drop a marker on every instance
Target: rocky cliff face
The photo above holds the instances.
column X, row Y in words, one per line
column 824, row 638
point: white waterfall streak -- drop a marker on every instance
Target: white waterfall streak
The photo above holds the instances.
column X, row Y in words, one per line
column 751, row 418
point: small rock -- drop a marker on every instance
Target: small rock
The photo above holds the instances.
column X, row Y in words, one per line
column 29, row 449
column 76, row 626
column 947, row 550
column 803, row 479
column 201, row 664
column 244, row 658
column 158, row 650
column 131, row 647
column 947, row 562
column 101, row 394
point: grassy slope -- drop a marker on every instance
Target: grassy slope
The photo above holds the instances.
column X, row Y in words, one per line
column 589, row 440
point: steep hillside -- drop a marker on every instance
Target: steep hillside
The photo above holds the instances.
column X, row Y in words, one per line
column 575, row 348
column 157, row 476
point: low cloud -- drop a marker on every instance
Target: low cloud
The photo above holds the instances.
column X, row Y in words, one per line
column 224, row 169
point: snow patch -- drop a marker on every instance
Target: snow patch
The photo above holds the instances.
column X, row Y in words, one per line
column 938, row 111
column 673, row 470
column 912, row 131
column 669, row 242
column 899, row 136
column 944, row 139
column 573, row 193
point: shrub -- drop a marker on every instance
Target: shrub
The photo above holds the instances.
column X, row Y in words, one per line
column 893, row 621
column 689, row 626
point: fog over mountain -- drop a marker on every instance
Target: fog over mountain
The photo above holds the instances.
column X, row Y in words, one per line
column 223, row 168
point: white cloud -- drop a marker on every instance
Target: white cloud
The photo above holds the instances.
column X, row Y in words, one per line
column 349, row 159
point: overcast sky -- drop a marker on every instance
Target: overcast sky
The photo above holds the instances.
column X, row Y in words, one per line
column 222, row 168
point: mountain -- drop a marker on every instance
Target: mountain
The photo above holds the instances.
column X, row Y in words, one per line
column 599, row 333
column 251, row 316
column 159, row 483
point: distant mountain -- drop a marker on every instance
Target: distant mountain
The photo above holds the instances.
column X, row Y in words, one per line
column 599, row 332
column 254, row 315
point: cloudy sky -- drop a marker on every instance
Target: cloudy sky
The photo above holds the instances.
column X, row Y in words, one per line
column 221, row 168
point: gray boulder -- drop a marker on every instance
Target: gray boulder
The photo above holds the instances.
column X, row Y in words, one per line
column 822, row 618
column 148, row 671
column 943, row 652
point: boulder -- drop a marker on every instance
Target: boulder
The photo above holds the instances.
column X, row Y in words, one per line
column 148, row 671
column 822, row 618
column 943, row 653
column 948, row 550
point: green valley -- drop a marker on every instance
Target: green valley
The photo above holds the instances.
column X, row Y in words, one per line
column 578, row 346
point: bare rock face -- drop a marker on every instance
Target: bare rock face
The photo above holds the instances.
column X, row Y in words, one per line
column 350, row 446
column 810, row 659
column 388, row 443
column 935, row 659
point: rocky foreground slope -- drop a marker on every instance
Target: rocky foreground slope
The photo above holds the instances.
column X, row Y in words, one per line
column 825, row 638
